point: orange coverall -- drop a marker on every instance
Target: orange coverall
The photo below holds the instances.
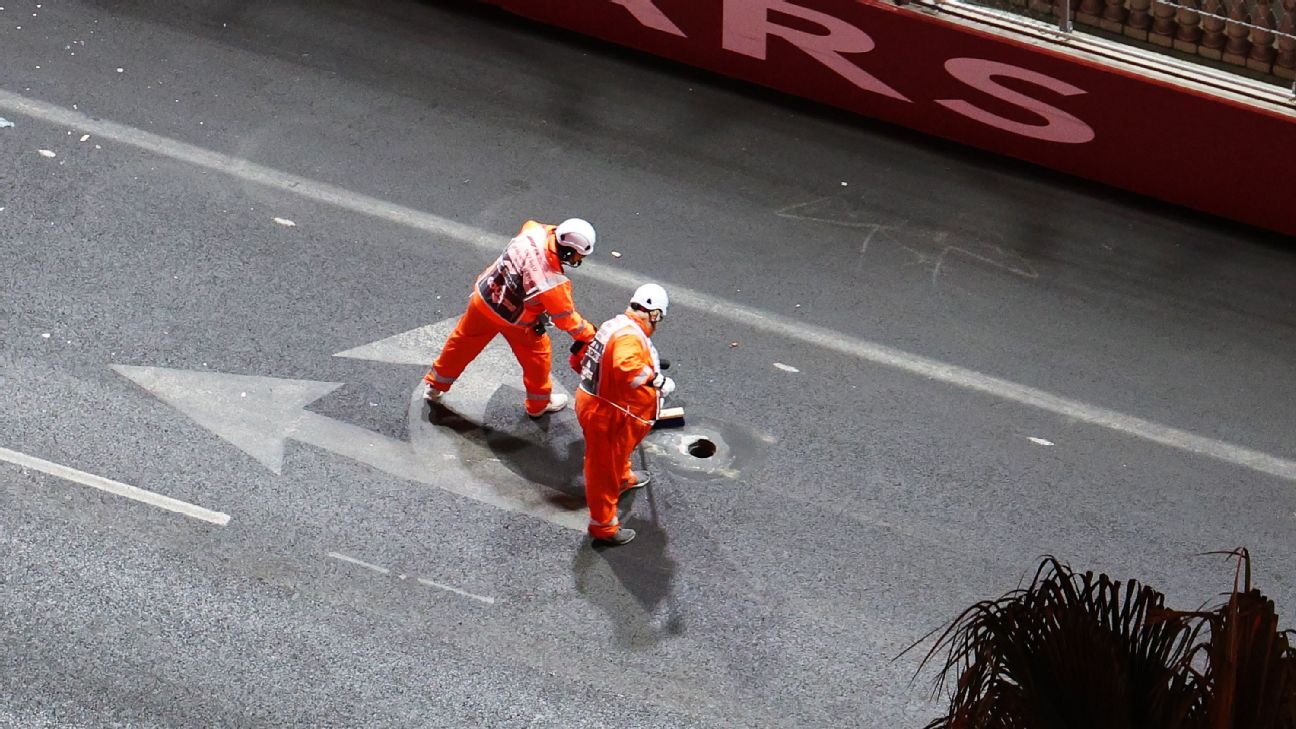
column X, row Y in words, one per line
column 508, row 297
column 616, row 406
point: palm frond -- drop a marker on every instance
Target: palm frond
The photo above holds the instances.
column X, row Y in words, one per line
column 1250, row 679
column 1082, row 650
column 1070, row 650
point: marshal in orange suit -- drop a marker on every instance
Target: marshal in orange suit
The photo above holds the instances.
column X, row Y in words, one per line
column 620, row 396
column 512, row 297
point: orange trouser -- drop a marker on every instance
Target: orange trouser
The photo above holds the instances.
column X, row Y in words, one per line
column 476, row 328
column 610, row 438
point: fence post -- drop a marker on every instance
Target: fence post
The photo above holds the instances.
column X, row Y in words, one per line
column 1212, row 26
column 1263, row 52
column 1237, row 47
column 1285, row 62
column 1114, row 16
column 1163, row 23
column 1140, row 20
column 1188, row 32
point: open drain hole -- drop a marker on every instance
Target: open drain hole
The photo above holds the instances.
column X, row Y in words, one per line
column 701, row 448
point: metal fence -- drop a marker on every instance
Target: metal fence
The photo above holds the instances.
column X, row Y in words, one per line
column 1259, row 35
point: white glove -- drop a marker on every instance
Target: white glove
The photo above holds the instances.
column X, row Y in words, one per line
column 666, row 386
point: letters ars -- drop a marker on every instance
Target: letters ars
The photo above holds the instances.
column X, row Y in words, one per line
column 747, row 27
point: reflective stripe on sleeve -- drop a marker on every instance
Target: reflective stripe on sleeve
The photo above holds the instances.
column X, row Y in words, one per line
column 642, row 377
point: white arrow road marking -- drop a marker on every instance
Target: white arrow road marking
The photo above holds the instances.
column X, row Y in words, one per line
column 713, row 306
column 258, row 414
column 470, row 394
column 255, row 414
column 416, row 347
column 469, row 398
column 114, row 487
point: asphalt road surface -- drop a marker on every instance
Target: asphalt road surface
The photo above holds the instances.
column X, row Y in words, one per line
column 922, row 368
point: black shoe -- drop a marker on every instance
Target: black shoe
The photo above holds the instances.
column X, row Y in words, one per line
column 623, row 536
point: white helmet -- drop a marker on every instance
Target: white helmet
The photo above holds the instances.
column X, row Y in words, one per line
column 576, row 235
column 651, row 297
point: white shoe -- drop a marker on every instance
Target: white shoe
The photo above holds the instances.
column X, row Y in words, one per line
column 557, row 401
column 641, row 479
column 430, row 393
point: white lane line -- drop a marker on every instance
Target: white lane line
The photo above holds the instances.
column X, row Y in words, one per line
column 249, row 171
column 717, row 307
column 421, row 580
column 457, row 591
column 360, row 562
column 114, row 487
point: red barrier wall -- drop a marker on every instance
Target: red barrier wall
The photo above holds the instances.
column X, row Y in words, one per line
column 1000, row 95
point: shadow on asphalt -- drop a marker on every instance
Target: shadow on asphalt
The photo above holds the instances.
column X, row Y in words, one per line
column 633, row 583
column 547, row 451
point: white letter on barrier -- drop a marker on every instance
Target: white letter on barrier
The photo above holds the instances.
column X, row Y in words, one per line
column 747, row 27
column 650, row 15
column 979, row 73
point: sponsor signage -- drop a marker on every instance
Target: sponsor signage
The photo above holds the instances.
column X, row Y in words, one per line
column 1004, row 96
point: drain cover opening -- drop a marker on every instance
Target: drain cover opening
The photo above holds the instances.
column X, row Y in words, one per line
column 701, row 448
